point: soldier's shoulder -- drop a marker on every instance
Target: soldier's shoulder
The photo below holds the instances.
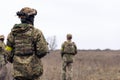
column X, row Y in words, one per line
column 21, row 25
column 73, row 42
column 64, row 42
column 37, row 31
column 16, row 25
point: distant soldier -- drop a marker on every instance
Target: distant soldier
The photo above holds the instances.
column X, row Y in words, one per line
column 68, row 50
column 3, row 68
column 26, row 46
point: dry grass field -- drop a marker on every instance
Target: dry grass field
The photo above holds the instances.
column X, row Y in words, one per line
column 88, row 65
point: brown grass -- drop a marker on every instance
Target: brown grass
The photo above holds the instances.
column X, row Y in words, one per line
column 88, row 65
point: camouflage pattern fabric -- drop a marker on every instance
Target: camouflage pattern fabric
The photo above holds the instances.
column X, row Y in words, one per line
column 2, row 52
column 23, row 42
column 67, row 67
column 68, row 50
column 67, row 58
column 29, row 11
column 67, row 71
column 25, row 62
column 3, row 68
column 69, row 47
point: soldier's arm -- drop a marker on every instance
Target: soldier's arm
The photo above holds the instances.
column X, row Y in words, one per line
column 2, row 50
column 75, row 48
column 62, row 50
column 9, row 44
column 9, row 47
column 41, row 44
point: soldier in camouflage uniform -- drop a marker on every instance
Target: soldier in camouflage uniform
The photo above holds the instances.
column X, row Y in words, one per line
column 68, row 50
column 26, row 46
column 3, row 68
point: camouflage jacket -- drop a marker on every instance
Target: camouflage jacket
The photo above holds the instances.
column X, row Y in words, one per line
column 2, row 53
column 68, row 53
column 26, row 65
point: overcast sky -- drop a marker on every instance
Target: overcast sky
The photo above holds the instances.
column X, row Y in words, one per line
column 93, row 23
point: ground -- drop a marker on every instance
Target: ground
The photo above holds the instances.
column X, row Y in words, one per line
column 88, row 65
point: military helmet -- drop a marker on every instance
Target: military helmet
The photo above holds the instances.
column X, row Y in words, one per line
column 2, row 37
column 26, row 11
column 69, row 36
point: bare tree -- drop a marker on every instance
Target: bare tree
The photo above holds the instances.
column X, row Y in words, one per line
column 52, row 42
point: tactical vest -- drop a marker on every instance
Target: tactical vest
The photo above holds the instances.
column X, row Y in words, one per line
column 69, row 47
column 23, row 40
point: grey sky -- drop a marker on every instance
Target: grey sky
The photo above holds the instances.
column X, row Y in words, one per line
column 93, row 23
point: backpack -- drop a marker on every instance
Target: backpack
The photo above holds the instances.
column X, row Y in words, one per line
column 23, row 39
column 69, row 47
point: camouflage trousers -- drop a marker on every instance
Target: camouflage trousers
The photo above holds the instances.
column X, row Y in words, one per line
column 67, row 71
